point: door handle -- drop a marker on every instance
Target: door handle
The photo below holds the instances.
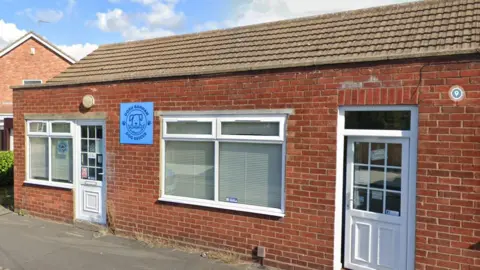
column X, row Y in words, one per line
column 348, row 201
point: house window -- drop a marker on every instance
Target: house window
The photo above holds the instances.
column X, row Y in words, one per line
column 50, row 152
column 28, row 82
column 379, row 120
column 225, row 162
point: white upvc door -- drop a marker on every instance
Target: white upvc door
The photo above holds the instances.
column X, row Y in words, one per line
column 90, row 177
column 376, row 203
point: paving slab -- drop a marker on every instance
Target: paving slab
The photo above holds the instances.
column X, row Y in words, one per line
column 28, row 243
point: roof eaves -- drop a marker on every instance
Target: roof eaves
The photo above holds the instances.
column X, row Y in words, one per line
column 313, row 62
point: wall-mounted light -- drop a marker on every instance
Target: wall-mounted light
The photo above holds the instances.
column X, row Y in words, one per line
column 32, row 51
column 88, row 101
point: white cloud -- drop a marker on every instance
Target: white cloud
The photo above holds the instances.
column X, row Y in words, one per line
column 117, row 20
column 112, row 21
column 145, row 2
column 210, row 25
column 159, row 21
column 164, row 15
column 135, row 33
column 260, row 11
column 70, row 5
column 78, row 51
column 48, row 15
column 9, row 33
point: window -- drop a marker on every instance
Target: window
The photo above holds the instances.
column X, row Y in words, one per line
column 380, row 120
column 234, row 163
column 50, row 152
column 28, row 82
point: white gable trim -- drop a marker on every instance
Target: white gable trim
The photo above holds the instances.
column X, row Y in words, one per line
column 41, row 41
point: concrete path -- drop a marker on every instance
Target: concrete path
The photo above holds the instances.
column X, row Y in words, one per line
column 29, row 243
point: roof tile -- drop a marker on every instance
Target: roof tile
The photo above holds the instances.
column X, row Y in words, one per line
column 433, row 27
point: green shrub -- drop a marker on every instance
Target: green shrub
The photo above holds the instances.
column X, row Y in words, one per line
column 6, row 168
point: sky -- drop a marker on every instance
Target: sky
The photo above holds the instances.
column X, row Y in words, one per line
column 79, row 26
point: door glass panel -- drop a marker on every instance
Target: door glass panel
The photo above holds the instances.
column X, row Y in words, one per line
column 91, row 174
column 393, row 204
column 377, row 176
column 99, row 174
column 361, row 153
column 376, row 201
column 100, row 160
column 91, row 132
column 377, row 155
column 91, row 162
column 99, row 133
column 359, row 199
column 84, row 131
column 394, row 179
column 91, row 146
column 394, row 155
column 361, row 176
column 92, row 153
column 98, row 146
column 84, row 159
column 84, row 145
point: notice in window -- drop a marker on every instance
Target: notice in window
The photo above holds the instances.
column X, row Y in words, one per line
column 392, row 213
column 378, row 154
column 84, row 173
column 62, row 149
column 231, row 200
column 377, row 195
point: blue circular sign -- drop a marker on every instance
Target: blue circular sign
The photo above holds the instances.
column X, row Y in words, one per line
column 456, row 93
column 62, row 147
column 136, row 121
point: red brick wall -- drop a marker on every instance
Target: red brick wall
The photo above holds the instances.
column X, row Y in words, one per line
column 448, row 206
column 19, row 64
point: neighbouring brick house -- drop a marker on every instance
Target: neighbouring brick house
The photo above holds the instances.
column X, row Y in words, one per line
column 30, row 59
column 347, row 140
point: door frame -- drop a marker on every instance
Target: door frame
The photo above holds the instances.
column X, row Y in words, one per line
column 412, row 134
column 77, row 167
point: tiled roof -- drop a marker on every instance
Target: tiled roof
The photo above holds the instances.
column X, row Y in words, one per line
column 419, row 29
column 39, row 39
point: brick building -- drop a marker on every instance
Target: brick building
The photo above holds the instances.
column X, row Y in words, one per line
column 347, row 140
column 30, row 59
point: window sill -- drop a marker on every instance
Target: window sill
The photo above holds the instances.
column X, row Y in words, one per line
column 223, row 205
column 48, row 184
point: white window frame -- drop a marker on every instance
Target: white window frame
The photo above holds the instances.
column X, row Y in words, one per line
column 60, row 134
column 263, row 119
column 190, row 136
column 30, row 132
column 412, row 134
column 31, row 80
column 217, row 138
column 49, row 135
